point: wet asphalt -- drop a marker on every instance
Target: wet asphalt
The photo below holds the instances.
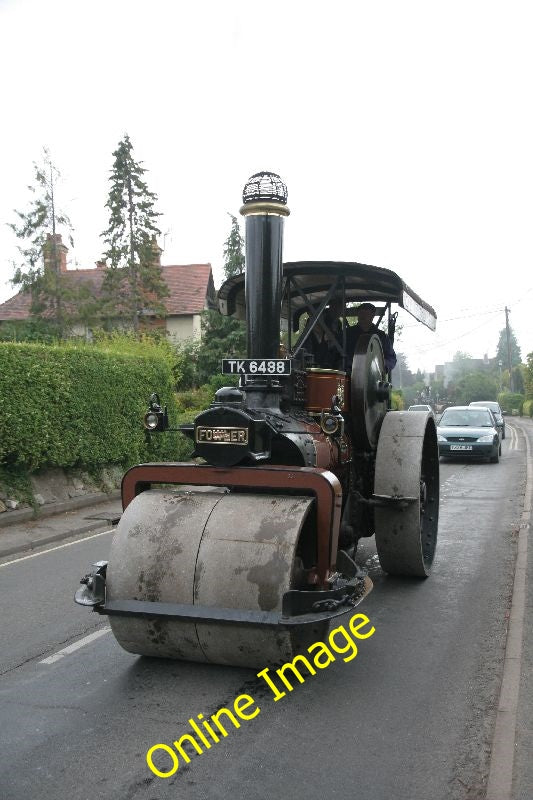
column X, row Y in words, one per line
column 410, row 717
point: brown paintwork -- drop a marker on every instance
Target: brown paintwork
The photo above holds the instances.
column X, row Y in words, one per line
column 322, row 386
column 324, row 485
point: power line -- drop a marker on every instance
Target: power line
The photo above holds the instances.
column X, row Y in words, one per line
column 452, row 319
column 476, row 313
column 455, row 339
column 522, row 296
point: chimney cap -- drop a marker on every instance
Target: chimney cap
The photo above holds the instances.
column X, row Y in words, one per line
column 264, row 186
column 57, row 238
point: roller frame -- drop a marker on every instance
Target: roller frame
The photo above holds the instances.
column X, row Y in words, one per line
column 179, row 563
column 210, row 628
column 320, row 482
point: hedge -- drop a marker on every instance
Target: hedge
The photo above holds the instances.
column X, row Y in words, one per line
column 74, row 405
column 510, row 400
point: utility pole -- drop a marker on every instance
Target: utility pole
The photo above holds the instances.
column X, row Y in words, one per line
column 511, row 388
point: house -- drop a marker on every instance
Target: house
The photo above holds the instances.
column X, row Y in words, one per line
column 191, row 291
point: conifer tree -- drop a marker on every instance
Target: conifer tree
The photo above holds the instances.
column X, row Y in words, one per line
column 37, row 228
column 133, row 281
column 501, row 352
column 233, row 250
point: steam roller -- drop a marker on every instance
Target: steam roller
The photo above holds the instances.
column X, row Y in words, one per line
column 248, row 554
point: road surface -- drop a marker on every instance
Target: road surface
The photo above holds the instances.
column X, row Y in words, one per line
column 411, row 716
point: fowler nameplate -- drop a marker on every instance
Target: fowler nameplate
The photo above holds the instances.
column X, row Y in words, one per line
column 205, row 435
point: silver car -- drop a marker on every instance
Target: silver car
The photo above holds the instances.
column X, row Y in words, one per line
column 422, row 407
column 496, row 410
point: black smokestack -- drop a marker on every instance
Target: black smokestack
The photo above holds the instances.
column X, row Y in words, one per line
column 265, row 198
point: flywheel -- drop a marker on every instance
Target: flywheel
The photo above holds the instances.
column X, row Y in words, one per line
column 369, row 391
column 214, row 549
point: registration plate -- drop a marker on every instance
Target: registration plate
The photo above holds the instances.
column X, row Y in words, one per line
column 460, row 447
column 256, row 366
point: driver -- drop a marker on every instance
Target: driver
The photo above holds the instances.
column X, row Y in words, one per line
column 365, row 314
column 322, row 343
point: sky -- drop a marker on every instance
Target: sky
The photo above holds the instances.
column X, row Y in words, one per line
column 403, row 130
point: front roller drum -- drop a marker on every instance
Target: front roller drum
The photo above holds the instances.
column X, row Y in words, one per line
column 407, row 480
column 211, row 549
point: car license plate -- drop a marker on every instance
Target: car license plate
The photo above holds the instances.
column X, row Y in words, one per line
column 460, row 447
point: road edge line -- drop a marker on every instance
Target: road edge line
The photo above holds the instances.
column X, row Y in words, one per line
column 500, row 780
column 66, row 651
column 58, row 547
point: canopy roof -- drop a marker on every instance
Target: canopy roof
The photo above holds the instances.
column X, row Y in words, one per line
column 362, row 282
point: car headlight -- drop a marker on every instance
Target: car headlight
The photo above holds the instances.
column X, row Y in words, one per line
column 488, row 438
column 441, row 438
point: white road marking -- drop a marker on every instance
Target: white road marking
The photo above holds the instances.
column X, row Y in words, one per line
column 73, row 647
column 514, row 438
column 59, row 547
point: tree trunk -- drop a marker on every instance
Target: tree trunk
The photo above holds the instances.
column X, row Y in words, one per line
column 55, row 277
column 133, row 266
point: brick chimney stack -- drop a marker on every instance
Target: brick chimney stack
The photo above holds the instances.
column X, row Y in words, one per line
column 55, row 253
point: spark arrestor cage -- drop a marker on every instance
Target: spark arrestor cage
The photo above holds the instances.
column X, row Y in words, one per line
column 264, row 186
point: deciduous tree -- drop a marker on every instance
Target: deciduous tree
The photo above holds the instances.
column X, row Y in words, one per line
column 528, row 380
column 38, row 228
column 222, row 337
column 402, row 375
column 476, row 386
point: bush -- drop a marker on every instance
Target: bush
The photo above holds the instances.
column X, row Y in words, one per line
column 217, row 381
column 186, row 364
column 76, row 404
column 397, row 403
column 31, row 330
column 510, row 400
column 527, row 408
column 128, row 343
column 192, row 401
column 528, row 377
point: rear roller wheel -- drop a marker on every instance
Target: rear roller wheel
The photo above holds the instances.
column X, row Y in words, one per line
column 213, row 549
column 407, row 465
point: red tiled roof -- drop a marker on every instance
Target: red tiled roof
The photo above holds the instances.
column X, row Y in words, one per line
column 190, row 287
